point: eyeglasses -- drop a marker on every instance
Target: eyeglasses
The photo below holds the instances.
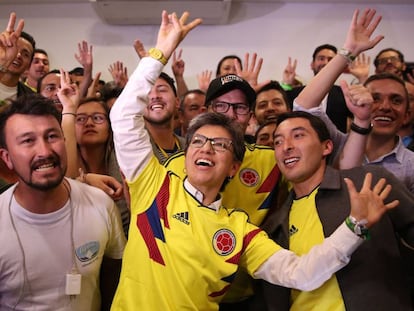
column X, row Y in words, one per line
column 219, row 144
column 392, row 59
column 238, row 108
column 97, row 118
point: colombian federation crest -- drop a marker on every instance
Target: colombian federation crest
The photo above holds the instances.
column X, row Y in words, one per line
column 224, row 242
column 249, row 177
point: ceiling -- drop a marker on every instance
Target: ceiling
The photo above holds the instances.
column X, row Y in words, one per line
column 251, row 1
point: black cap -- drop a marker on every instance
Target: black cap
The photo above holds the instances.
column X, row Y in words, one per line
column 227, row 83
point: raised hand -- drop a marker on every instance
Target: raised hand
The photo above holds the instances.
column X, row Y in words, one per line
column 289, row 73
column 8, row 42
column 360, row 31
column 68, row 93
column 119, row 73
column 359, row 101
column 368, row 204
column 178, row 64
column 140, row 49
column 85, row 55
column 173, row 31
column 359, row 68
column 251, row 70
column 93, row 90
column 204, row 79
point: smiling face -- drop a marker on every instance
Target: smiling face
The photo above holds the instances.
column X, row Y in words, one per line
column 235, row 96
column 300, row 154
column 23, row 58
column 39, row 66
column 91, row 133
column 269, row 105
column 206, row 166
column 390, row 61
column 163, row 104
column 35, row 150
column 322, row 58
column 389, row 110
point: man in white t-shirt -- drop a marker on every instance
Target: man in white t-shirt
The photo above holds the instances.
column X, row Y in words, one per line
column 54, row 231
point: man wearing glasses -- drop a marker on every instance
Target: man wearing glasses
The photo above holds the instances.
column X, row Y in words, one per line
column 390, row 60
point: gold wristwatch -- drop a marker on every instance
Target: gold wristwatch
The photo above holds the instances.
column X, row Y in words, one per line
column 158, row 55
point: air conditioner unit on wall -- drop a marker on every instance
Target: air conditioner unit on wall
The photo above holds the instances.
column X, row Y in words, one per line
column 137, row 12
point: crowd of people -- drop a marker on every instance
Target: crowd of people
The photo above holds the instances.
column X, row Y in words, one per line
column 140, row 194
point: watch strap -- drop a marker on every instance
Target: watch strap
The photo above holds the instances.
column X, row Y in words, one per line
column 347, row 55
column 158, row 55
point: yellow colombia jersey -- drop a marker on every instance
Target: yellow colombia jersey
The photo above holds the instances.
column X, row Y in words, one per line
column 305, row 232
column 254, row 186
column 180, row 254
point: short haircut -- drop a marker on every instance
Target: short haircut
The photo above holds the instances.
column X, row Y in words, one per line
column 40, row 51
column 262, row 126
column 400, row 55
column 40, row 81
column 194, row 91
column 317, row 124
column 324, row 47
column 231, row 126
column 32, row 104
column 30, row 39
column 110, row 90
column 389, row 76
column 225, row 58
column 274, row 85
column 170, row 81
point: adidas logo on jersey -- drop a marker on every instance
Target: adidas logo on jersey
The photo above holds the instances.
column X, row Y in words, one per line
column 292, row 230
column 183, row 217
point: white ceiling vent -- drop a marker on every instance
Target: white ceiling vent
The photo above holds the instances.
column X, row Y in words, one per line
column 137, row 12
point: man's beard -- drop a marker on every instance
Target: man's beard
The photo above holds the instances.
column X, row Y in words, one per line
column 49, row 184
column 166, row 120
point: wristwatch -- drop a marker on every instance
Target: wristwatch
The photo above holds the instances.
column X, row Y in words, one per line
column 347, row 54
column 158, row 55
column 358, row 227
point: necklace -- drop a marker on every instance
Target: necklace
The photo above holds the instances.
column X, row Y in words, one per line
column 74, row 275
column 166, row 152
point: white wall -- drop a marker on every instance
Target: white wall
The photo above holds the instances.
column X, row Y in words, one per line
column 273, row 30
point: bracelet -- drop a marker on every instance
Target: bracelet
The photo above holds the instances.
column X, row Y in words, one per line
column 70, row 113
column 361, row 130
column 358, row 227
column 3, row 69
column 285, row 86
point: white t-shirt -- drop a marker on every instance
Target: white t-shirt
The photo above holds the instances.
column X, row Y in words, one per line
column 7, row 92
column 46, row 239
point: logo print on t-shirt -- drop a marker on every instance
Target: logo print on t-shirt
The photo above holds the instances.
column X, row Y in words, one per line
column 224, row 242
column 249, row 177
column 87, row 251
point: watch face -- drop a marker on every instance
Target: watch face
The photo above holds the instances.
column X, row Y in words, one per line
column 156, row 54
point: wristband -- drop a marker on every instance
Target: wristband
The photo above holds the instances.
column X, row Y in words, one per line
column 71, row 113
column 358, row 227
column 347, row 55
column 285, row 86
column 361, row 130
